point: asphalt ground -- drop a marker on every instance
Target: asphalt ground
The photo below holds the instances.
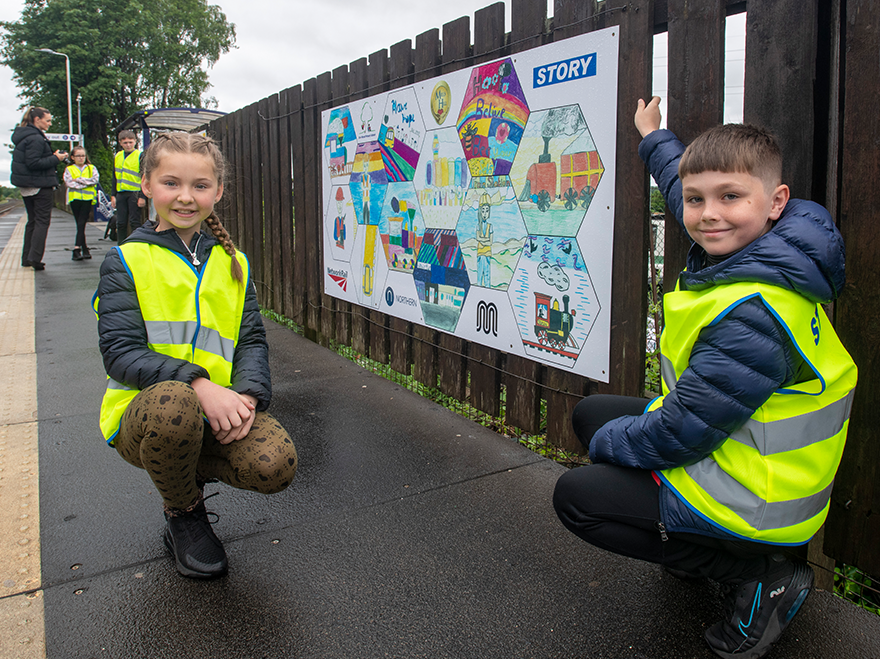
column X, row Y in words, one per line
column 408, row 531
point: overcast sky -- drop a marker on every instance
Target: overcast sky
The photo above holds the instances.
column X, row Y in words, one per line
column 282, row 44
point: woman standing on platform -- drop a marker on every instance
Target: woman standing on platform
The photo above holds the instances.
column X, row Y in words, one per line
column 81, row 178
column 33, row 173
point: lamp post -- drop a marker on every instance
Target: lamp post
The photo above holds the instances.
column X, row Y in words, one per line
column 79, row 119
column 69, row 102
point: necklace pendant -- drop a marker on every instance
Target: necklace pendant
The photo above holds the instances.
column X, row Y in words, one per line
column 196, row 261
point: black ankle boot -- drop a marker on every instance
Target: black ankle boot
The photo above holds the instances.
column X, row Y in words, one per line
column 77, row 254
column 86, row 253
column 197, row 552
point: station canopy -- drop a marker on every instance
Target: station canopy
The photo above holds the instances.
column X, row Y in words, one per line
column 164, row 119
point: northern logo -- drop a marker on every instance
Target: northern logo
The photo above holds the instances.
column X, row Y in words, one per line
column 389, row 296
column 565, row 70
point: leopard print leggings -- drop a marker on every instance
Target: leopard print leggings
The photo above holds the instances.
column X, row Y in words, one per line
column 163, row 432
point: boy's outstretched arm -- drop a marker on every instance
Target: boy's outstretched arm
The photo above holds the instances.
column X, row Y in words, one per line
column 647, row 118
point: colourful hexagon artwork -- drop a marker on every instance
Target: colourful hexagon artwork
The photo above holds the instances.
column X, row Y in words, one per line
column 340, row 144
column 401, row 135
column 491, row 232
column 441, row 279
column 493, row 116
column 401, row 227
column 442, row 178
column 556, row 171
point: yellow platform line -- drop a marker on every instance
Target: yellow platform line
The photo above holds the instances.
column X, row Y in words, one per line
column 22, row 625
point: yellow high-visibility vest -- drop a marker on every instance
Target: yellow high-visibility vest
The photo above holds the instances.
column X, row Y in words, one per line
column 89, row 193
column 771, row 480
column 128, row 175
column 188, row 315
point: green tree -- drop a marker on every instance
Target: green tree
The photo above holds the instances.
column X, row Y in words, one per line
column 125, row 55
column 658, row 204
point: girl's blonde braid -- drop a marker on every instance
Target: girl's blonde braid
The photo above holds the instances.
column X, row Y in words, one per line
column 221, row 235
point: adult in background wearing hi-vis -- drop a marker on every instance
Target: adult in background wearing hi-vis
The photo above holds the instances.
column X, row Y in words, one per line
column 126, row 196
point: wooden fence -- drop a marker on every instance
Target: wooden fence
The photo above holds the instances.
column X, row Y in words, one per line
column 811, row 76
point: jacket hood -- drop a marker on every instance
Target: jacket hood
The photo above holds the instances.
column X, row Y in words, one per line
column 170, row 240
column 22, row 132
column 803, row 252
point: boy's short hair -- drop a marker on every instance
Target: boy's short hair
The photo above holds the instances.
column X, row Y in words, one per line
column 126, row 134
column 734, row 148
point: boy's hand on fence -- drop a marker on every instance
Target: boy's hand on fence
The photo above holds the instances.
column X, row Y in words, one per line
column 230, row 414
column 648, row 116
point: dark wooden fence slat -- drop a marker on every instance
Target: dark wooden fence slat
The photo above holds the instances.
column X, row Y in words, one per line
column 328, row 304
column 629, row 284
column 299, row 285
column 285, row 176
column 238, row 174
column 360, row 325
column 311, row 210
column 401, row 70
column 696, row 96
column 339, row 91
column 571, row 18
column 780, row 69
column 853, row 527
column 451, row 365
column 484, row 363
column 255, row 203
column 267, row 178
column 378, row 81
column 273, row 209
column 527, row 21
column 564, row 391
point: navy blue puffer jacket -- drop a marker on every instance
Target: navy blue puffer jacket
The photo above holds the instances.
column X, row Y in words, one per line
column 123, row 334
column 737, row 363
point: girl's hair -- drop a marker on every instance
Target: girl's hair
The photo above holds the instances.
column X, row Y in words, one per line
column 178, row 142
column 33, row 112
column 83, row 149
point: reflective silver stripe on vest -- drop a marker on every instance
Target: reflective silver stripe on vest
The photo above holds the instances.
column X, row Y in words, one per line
column 124, row 170
column 796, row 432
column 211, row 341
column 667, row 372
column 756, row 512
column 171, row 332
column 113, row 384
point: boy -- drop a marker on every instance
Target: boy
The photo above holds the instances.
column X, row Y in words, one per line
column 736, row 460
column 126, row 196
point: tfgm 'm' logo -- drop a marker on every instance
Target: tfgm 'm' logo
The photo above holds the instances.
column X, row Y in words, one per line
column 487, row 318
column 389, row 296
column 575, row 68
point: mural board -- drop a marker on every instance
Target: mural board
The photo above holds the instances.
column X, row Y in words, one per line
column 481, row 202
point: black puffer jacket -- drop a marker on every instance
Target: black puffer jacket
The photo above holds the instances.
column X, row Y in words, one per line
column 33, row 162
column 123, row 334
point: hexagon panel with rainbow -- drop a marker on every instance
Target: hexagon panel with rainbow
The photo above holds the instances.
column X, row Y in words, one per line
column 493, row 116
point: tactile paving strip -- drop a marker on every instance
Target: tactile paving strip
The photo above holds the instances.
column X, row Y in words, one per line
column 21, row 600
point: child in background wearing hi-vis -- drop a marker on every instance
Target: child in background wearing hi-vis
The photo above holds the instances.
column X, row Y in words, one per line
column 81, row 178
column 735, row 462
column 186, row 356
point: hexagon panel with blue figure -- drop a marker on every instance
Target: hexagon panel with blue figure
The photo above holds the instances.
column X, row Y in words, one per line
column 441, row 279
column 491, row 232
column 553, row 299
column 401, row 227
column 340, row 223
column 340, row 145
column 368, row 183
column 401, row 135
column 556, row 171
column 493, row 116
column 442, row 178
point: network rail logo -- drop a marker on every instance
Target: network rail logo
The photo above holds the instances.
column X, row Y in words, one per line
column 583, row 66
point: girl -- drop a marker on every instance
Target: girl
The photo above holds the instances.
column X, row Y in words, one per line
column 81, row 178
column 186, row 354
column 33, row 172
